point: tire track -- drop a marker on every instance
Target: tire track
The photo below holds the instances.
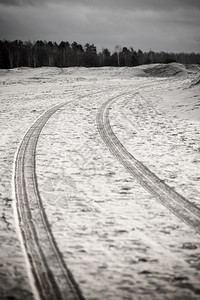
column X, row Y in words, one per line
column 181, row 207
column 52, row 278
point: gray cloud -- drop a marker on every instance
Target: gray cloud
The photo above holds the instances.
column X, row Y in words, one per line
column 21, row 2
column 114, row 4
column 140, row 4
column 171, row 25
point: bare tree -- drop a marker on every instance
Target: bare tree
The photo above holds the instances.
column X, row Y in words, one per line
column 118, row 50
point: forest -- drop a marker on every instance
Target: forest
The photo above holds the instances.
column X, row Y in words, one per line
column 17, row 53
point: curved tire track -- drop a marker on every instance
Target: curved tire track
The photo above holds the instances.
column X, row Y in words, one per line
column 52, row 278
column 181, row 207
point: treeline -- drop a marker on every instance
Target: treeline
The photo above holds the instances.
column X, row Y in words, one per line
column 41, row 53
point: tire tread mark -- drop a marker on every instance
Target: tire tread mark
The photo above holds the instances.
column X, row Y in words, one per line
column 52, row 277
column 181, row 207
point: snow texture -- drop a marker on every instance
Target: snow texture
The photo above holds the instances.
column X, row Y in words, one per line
column 116, row 238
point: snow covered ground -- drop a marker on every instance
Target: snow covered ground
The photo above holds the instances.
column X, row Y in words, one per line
column 115, row 237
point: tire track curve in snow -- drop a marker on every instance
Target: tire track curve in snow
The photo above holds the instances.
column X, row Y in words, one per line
column 181, row 207
column 52, row 278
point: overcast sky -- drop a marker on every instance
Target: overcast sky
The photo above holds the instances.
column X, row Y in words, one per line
column 160, row 25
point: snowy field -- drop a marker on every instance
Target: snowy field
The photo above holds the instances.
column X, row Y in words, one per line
column 116, row 238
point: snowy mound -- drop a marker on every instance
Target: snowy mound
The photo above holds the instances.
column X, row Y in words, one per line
column 193, row 68
column 195, row 82
column 48, row 74
column 166, row 70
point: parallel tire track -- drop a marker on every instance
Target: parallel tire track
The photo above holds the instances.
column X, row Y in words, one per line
column 52, row 278
column 180, row 206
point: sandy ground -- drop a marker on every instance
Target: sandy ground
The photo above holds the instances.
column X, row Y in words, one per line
column 116, row 238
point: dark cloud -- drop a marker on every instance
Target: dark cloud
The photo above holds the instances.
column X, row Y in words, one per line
column 22, row 2
column 171, row 25
column 10, row 2
column 114, row 4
